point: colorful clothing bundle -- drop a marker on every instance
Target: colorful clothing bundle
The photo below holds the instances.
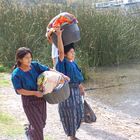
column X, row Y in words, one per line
column 48, row 80
column 60, row 20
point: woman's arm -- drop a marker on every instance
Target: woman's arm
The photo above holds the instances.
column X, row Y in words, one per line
column 65, row 77
column 48, row 35
column 29, row 93
column 82, row 90
column 58, row 32
column 60, row 46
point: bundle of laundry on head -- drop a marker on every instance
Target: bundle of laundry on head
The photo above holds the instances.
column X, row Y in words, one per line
column 68, row 23
column 60, row 20
column 48, row 81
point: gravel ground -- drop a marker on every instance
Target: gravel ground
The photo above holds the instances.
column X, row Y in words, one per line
column 110, row 125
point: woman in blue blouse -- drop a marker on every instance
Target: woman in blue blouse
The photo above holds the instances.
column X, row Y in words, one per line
column 71, row 110
column 24, row 79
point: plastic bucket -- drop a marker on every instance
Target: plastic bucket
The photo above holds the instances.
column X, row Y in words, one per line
column 71, row 34
column 59, row 94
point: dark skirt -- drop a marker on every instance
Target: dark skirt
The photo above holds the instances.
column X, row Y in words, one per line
column 35, row 110
column 71, row 111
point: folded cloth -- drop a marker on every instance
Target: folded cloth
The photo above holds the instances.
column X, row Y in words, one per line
column 61, row 20
column 48, row 80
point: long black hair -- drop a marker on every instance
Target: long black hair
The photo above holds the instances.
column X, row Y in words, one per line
column 20, row 53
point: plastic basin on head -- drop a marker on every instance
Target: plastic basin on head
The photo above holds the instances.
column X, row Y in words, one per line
column 71, row 34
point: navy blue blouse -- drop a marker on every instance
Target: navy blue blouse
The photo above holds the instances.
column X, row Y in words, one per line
column 70, row 69
column 27, row 80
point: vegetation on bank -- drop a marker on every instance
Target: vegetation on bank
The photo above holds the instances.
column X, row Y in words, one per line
column 107, row 37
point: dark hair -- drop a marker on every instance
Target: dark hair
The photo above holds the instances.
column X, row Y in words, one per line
column 20, row 53
column 68, row 47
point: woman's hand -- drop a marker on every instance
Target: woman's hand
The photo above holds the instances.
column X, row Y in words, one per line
column 66, row 78
column 38, row 94
column 48, row 35
column 58, row 31
column 82, row 90
column 30, row 93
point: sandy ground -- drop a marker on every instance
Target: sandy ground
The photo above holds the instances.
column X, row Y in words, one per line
column 110, row 125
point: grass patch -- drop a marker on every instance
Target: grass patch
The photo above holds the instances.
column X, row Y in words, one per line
column 9, row 126
column 48, row 138
column 4, row 80
column 2, row 68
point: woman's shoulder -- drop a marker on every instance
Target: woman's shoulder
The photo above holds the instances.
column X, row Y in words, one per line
column 34, row 63
column 39, row 67
column 16, row 72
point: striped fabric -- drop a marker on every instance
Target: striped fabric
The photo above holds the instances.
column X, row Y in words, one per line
column 71, row 111
column 35, row 109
